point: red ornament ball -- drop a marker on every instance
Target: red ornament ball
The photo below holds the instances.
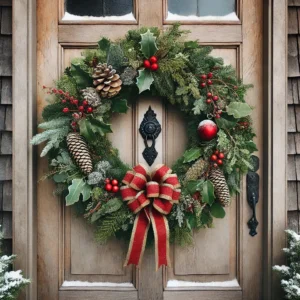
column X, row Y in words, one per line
column 221, row 155
column 108, row 187
column 214, row 157
column 207, row 130
column 114, row 182
column 153, row 59
column 147, row 64
column 115, row 189
column 154, row 67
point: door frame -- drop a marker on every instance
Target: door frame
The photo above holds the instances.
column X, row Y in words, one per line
column 24, row 127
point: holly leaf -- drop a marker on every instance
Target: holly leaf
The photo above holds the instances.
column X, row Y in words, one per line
column 191, row 45
column 217, row 211
column 82, row 78
column 251, row 146
column 60, row 177
column 119, row 106
column 107, row 208
column 207, row 192
column 148, row 44
column 238, row 109
column 191, row 155
column 90, row 127
column 194, row 185
column 226, row 121
column 104, row 44
column 144, row 80
column 77, row 188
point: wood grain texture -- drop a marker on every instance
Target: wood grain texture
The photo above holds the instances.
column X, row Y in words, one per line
column 204, row 295
column 293, row 26
column 294, row 2
column 293, row 57
column 97, row 295
column 6, row 20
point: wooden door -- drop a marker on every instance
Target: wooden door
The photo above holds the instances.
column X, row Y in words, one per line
column 225, row 262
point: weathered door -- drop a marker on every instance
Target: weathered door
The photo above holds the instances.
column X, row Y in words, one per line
column 225, row 262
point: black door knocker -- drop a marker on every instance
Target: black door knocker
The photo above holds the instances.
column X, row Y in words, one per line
column 253, row 194
column 150, row 130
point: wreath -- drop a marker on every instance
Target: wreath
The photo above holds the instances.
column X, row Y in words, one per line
column 126, row 202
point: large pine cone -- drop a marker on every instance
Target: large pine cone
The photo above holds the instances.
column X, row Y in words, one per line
column 80, row 152
column 217, row 178
column 196, row 170
column 107, row 82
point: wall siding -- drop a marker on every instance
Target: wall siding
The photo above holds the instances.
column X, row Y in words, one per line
column 6, row 123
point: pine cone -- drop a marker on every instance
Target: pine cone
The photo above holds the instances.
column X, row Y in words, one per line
column 196, row 170
column 91, row 96
column 217, row 178
column 107, row 82
column 80, row 152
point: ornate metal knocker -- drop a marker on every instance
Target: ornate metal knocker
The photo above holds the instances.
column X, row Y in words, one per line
column 150, row 130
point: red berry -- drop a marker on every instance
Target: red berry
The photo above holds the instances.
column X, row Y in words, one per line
column 147, row 64
column 213, row 157
column 108, row 187
column 215, row 165
column 75, row 102
column 63, row 101
column 196, row 196
column 89, row 109
column 220, row 162
column 81, row 108
column 209, row 82
column 154, row 67
column 107, row 180
column 210, row 75
column 208, row 101
column 215, row 98
column 153, row 59
column 203, row 77
column 85, row 103
column 73, row 124
column 65, row 110
column 217, row 116
column 115, row 189
column 114, row 182
column 217, row 152
column 221, row 155
column 203, row 84
column 209, row 95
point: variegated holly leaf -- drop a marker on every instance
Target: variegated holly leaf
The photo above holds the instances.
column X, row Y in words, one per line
column 148, row 44
column 144, row 80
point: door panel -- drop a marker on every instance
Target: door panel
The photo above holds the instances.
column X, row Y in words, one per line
column 225, row 255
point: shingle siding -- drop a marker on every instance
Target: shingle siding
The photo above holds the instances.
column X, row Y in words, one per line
column 6, row 123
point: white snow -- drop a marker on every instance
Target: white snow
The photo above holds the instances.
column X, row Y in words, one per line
column 180, row 283
column 70, row 17
column 174, row 17
column 96, row 284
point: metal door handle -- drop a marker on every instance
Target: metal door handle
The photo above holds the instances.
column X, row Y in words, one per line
column 253, row 194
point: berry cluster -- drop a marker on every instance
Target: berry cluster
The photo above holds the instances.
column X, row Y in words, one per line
column 111, row 185
column 217, row 158
column 243, row 125
column 206, row 79
column 151, row 63
column 213, row 99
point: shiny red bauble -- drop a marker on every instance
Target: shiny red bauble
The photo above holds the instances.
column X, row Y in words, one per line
column 207, row 130
column 154, row 67
column 115, row 189
column 114, row 182
column 108, row 187
column 153, row 60
column 147, row 64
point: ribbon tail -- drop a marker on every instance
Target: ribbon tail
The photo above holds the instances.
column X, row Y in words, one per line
column 161, row 235
column 138, row 239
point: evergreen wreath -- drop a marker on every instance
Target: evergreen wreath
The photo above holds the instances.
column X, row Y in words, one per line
column 88, row 169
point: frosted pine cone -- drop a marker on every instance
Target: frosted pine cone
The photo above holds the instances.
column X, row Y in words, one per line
column 107, row 82
column 217, row 178
column 91, row 96
column 196, row 170
column 80, row 152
